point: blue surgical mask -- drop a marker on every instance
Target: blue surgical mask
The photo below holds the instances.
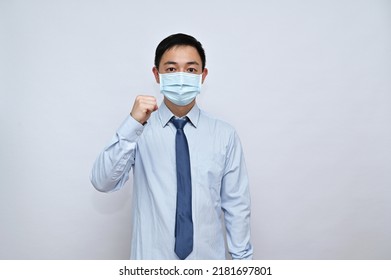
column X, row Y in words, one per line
column 180, row 88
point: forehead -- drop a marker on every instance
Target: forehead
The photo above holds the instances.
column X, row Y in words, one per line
column 181, row 54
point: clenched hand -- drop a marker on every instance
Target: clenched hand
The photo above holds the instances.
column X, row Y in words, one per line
column 143, row 107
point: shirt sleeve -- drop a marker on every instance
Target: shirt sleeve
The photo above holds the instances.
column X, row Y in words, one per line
column 111, row 168
column 235, row 201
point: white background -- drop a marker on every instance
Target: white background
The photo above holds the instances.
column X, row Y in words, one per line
column 307, row 85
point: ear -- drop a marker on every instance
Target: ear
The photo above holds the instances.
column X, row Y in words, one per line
column 204, row 74
column 156, row 74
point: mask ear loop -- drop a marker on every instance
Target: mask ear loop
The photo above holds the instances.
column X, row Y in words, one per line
column 157, row 93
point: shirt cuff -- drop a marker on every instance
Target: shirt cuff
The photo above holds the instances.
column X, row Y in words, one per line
column 130, row 129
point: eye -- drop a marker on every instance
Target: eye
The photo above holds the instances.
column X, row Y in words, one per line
column 192, row 70
column 170, row 69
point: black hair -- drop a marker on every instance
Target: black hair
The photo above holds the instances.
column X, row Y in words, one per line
column 179, row 39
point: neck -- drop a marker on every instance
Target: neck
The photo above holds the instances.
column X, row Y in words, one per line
column 179, row 111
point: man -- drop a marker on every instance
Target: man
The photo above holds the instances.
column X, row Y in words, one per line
column 188, row 168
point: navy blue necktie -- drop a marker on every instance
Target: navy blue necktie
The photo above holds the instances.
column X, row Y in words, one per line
column 183, row 219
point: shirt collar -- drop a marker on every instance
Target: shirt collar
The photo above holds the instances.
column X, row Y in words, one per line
column 165, row 115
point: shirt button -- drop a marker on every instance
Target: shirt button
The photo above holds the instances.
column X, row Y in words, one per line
column 138, row 132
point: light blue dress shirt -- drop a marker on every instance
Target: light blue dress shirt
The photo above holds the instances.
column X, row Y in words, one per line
column 220, row 191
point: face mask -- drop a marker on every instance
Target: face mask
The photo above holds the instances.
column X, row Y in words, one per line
column 180, row 88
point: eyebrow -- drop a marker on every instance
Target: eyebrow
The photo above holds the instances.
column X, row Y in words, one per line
column 188, row 63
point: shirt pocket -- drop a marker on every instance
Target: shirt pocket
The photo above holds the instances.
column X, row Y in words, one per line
column 210, row 169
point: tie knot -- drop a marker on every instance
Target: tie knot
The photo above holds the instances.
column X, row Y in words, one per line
column 179, row 123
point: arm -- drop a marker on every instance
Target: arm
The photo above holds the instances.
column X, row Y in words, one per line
column 235, row 201
column 111, row 169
